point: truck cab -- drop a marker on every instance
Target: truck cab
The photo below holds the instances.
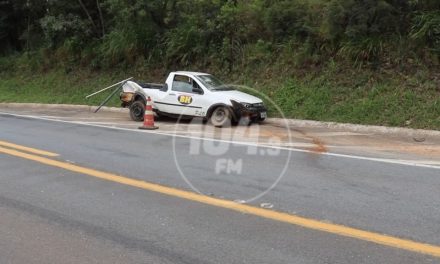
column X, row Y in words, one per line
column 193, row 94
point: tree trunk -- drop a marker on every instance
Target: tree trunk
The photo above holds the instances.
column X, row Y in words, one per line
column 101, row 18
column 88, row 15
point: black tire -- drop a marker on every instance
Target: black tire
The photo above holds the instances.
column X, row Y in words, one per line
column 137, row 111
column 221, row 117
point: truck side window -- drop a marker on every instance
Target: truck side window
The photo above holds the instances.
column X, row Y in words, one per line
column 182, row 84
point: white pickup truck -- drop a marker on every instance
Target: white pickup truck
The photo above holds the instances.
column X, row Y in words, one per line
column 193, row 94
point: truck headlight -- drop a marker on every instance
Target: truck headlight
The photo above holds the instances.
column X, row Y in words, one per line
column 239, row 105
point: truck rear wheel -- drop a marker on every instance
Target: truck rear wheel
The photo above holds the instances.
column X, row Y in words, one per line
column 221, row 117
column 137, row 111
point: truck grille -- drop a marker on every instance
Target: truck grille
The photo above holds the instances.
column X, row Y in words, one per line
column 258, row 105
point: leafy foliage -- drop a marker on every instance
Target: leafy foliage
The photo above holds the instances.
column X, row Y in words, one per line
column 426, row 28
column 104, row 33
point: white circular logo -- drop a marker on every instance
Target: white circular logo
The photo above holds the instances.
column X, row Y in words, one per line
column 241, row 162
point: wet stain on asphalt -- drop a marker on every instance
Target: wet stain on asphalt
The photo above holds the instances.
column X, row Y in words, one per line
column 319, row 143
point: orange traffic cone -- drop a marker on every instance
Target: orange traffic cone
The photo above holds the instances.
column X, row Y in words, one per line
column 148, row 117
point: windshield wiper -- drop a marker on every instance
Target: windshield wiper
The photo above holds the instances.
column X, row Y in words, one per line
column 222, row 89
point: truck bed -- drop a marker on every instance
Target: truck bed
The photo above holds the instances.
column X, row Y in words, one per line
column 157, row 86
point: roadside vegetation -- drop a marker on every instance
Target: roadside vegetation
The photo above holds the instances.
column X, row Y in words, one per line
column 369, row 61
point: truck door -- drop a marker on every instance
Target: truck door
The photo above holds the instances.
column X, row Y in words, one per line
column 181, row 99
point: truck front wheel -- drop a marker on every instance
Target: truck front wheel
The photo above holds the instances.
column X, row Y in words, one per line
column 137, row 111
column 221, row 117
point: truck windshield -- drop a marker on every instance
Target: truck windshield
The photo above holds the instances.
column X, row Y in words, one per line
column 213, row 84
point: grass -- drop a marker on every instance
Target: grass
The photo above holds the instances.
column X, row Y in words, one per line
column 332, row 94
column 57, row 87
column 382, row 104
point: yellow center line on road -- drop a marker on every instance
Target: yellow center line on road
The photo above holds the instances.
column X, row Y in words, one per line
column 28, row 149
column 341, row 230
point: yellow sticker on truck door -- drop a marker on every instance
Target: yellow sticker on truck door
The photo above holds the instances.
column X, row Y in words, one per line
column 184, row 99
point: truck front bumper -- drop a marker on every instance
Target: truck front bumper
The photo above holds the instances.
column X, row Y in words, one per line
column 253, row 112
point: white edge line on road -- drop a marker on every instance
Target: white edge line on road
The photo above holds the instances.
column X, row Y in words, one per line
column 390, row 161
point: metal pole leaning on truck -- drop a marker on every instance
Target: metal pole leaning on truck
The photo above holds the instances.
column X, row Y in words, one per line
column 106, row 88
column 108, row 98
column 111, row 95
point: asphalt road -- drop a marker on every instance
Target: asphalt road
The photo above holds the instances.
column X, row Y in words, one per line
column 50, row 214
